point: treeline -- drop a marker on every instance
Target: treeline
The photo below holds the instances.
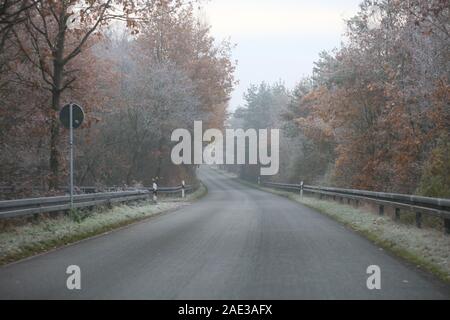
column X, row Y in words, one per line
column 139, row 68
column 375, row 114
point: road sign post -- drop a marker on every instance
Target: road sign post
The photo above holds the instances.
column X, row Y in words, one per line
column 71, row 117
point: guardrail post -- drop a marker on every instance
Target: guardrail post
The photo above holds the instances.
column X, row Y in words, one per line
column 418, row 219
column 109, row 203
column 447, row 226
column 397, row 214
column 182, row 188
column 381, row 211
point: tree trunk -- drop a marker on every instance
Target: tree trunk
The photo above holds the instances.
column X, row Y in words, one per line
column 54, row 152
column 54, row 132
column 58, row 70
column 160, row 158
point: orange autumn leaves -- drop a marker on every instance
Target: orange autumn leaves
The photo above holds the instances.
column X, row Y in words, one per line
column 379, row 143
column 382, row 101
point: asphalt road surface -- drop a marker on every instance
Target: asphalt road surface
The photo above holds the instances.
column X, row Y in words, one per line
column 235, row 243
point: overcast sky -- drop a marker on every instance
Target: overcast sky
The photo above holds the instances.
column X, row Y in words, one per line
column 277, row 39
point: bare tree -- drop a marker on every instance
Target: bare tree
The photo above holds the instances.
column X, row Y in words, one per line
column 12, row 12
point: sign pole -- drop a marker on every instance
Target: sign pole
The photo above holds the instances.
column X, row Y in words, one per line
column 71, row 117
column 71, row 154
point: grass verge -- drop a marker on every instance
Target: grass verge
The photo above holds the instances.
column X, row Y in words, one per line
column 426, row 248
column 19, row 242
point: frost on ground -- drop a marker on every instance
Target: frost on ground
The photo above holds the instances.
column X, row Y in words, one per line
column 426, row 245
column 20, row 241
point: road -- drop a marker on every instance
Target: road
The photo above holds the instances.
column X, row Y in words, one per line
column 235, row 243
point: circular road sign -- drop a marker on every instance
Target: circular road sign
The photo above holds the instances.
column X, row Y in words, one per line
column 77, row 115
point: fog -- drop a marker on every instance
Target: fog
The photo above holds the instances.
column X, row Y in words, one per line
column 277, row 39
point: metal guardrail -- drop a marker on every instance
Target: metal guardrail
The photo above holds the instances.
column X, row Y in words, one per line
column 438, row 207
column 93, row 189
column 30, row 206
column 172, row 189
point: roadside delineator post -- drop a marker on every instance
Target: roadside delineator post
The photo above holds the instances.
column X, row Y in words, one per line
column 155, row 191
column 259, row 180
column 182, row 188
column 301, row 190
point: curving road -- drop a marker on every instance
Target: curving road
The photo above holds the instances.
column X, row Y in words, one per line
column 235, row 243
